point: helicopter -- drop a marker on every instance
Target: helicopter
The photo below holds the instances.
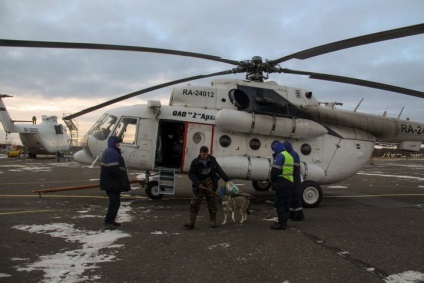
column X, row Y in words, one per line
column 48, row 137
column 240, row 119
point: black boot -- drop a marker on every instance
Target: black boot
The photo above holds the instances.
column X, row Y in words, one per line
column 212, row 222
column 282, row 222
column 298, row 216
column 191, row 223
column 291, row 214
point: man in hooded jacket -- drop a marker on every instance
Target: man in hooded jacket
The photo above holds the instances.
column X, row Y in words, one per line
column 295, row 202
column 113, row 180
column 282, row 181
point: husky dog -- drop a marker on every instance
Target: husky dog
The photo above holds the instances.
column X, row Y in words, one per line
column 232, row 203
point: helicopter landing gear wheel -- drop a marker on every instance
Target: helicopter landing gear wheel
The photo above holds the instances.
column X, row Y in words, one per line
column 311, row 194
column 152, row 190
column 261, row 186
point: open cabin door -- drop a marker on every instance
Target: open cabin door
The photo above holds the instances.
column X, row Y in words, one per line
column 196, row 136
column 170, row 142
column 138, row 141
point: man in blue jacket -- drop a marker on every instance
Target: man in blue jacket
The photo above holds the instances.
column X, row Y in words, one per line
column 113, row 180
column 295, row 201
column 282, row 181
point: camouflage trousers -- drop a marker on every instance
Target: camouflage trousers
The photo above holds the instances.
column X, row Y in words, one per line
column 199, row 194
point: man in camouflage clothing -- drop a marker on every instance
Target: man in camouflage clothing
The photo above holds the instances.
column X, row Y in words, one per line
column 203, row 173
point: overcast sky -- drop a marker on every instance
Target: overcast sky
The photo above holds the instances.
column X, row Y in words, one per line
column 53, row 82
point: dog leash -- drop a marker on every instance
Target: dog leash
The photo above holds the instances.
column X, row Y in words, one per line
column 224, row 190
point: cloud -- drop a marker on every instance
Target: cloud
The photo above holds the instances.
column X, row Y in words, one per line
column 66, row 81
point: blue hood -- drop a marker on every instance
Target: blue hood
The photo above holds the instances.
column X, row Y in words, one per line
column 111, row 142
column 278, row 147
column 288, row 146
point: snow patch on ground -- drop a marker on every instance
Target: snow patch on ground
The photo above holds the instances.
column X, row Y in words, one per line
column 405, row 277
column 68, row 266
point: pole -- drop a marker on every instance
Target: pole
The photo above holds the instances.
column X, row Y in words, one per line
column 83, row 187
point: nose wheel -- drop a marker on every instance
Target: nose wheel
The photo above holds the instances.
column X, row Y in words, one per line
column 152, row 190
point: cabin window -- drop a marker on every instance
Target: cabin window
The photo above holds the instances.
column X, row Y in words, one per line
column 255, row 144
column 103, row 127
column 306, row 149
column 127, row 130
column 198, row 137
column 58, row 129
column 225, row 141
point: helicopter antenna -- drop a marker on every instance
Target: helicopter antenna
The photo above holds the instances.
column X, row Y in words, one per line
column 401, row 112
column 357, row 106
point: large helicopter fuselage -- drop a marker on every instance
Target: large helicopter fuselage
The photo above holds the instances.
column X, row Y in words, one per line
column 239, row 121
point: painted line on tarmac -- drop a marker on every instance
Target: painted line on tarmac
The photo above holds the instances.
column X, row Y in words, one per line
column 61, row 196
column 367, row 196
column 23, row 212
column 381, row 200
column 44, row 182
column 48, row 196
column 142, row 197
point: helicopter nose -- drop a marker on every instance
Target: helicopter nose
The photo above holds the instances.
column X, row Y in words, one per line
column 82, row 156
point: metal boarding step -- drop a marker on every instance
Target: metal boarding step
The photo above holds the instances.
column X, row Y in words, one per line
column 166, row 182
column 73, row 129
column 71, row 125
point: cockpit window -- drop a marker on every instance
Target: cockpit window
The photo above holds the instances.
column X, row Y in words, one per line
column 103, row 127
column 127, row 130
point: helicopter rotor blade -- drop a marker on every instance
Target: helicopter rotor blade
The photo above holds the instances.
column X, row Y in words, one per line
column 255, row 69
column 352, row 42
column 96, row 46
column 118, row 99
column 353, row 81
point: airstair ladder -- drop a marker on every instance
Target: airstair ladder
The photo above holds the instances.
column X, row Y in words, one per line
column 166, row 181
column 73, row 129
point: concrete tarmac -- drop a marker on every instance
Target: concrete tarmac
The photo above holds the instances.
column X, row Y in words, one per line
column 368, row 228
